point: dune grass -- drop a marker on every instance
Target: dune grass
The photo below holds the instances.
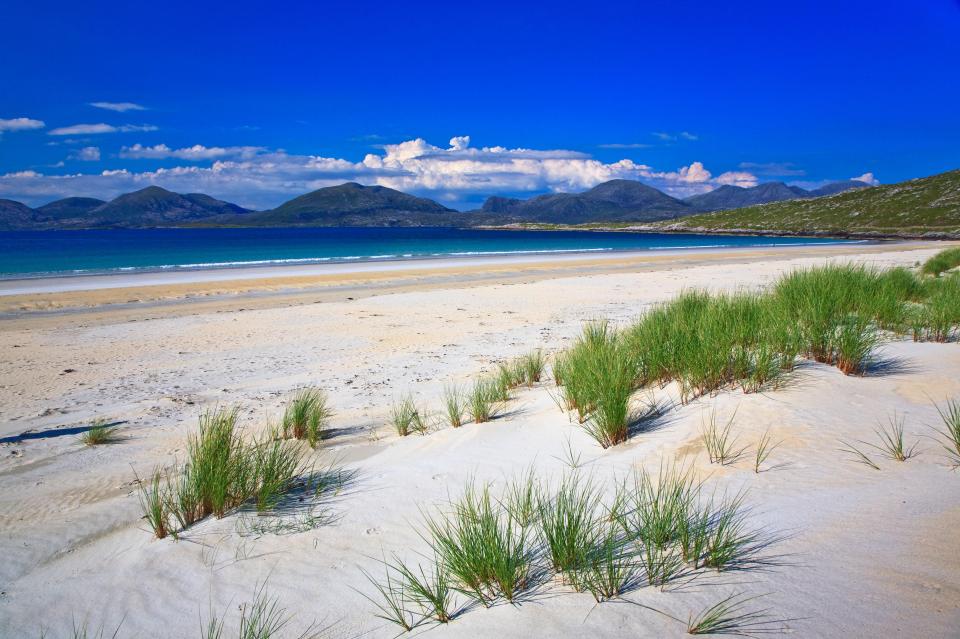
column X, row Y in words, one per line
column 720, row 442
column 487, row 554
column 568, row 526
column 307, row 416
column 407, row 418
column 532, row 365
column 950, row 416
column 263, row 617
column 222, row 473
column 409, row 597
column 765, row 446
column 731, row 616
column 100, row 433
column 941, row 262
column 892, row 443
column 454, row 406
column 599, row 377
column 153, row 503
column 485, row 399
column 658, row 526
column 522, row 499
column 858, row 455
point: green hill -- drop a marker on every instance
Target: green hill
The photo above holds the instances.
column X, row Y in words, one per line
column 925, row 207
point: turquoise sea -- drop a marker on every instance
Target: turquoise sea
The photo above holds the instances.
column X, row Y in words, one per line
column 36, row 253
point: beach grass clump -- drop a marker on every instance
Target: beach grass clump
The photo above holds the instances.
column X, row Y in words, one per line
column 409, row 596
column 950, row 416
column 658, row 507
column 522, row 498
column 855, row 340
column 275, row 467
column 728, row 539
column 568, row 521
column 731, row 616
column 941, row 262
column 765, row 446
column 709, row 342
column 610, row 569
column 532, row 366
column 407, row 418
column 599, row 377
column 454, row 405
column 100, row 432
column 485, row 399
column 261, row 618
column 154, row 503
column 307, row 416
column 719, row 440
column 892, row 440
column 857, row 455
column 487, row 554
column 222, row 473
column 941, row 314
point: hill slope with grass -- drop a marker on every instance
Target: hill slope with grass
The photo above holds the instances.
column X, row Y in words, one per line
column 926, row 207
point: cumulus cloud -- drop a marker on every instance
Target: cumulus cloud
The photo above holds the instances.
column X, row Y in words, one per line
column 196, row 153
column 120, row 107
column 20, row 124
column 94, row 129
column 868, row 178
column 673, row 137
column 87, row 154
column 457, row 172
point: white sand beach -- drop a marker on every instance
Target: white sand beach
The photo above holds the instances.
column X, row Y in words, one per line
column 851, row 552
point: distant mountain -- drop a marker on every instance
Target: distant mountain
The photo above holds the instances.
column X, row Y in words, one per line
column 925, row 207
column 837, row 187
column 616, row 200
column 155, row 206
column 735, row 197
column 67, row 208
column 15, row 216
column 352, row 204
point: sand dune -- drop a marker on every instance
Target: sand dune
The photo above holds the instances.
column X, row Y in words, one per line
column 854, row 552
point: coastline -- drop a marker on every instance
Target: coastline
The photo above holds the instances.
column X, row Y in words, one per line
column 279, row 285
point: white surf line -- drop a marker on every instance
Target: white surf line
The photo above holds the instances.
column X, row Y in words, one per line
column 69, row 283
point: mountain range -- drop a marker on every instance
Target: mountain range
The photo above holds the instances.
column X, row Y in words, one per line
column 352, row 204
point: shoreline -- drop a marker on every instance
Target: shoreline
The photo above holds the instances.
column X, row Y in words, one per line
column 174, row 293
column 220, row 272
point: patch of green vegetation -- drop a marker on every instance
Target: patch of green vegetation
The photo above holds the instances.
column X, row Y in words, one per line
column 942, row 261
column 916, row 207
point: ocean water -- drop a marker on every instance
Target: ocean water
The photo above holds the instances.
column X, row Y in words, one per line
column 36, row 253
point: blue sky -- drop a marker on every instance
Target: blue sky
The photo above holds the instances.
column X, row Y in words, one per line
column 259, row 102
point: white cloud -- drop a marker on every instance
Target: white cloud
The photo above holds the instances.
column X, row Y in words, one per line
column 20, row 124
column 197, row 152
column 93, row 129
column 673, row 137
column 87, row 154
column 251, row 176
column 120, row 107
column 867, row 178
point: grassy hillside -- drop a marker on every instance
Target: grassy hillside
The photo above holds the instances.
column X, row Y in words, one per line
column 924, row 207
